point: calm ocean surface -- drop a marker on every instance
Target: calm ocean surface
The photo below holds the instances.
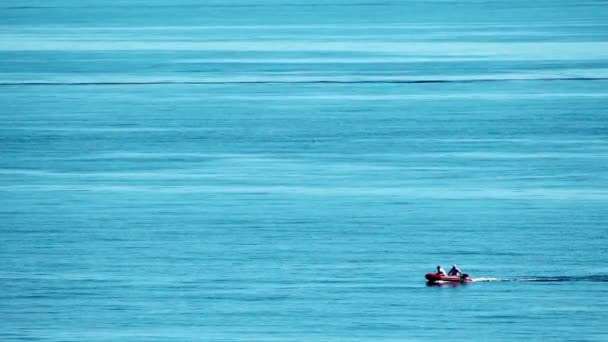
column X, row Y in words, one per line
column 289, row 170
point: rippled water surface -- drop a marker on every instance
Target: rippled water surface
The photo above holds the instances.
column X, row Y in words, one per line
column 289, row 170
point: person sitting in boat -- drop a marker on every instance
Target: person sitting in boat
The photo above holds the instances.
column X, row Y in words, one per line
column 455, row 271
column 440, row 270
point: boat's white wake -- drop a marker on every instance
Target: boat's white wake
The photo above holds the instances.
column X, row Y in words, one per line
column 479, row 280
column 591, row 278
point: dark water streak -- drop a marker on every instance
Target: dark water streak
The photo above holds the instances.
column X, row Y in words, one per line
column 405, row 81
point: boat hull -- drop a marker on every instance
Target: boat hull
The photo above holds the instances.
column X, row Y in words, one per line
column 434, row 277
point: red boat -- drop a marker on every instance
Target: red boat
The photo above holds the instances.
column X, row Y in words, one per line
column 435, row 278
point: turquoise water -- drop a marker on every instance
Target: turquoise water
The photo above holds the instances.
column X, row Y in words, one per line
column 289, row 170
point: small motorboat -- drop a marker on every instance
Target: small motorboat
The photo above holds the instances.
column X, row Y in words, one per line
column 439, row 278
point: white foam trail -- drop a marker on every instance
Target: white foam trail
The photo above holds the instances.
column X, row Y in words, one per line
column 488, row 279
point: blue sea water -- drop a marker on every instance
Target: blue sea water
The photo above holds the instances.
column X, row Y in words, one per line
column 289, row 170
